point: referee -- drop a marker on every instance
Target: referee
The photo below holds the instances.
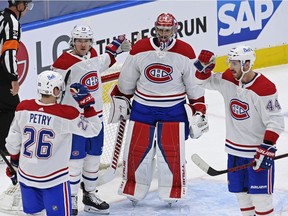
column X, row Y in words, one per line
column 10, row 33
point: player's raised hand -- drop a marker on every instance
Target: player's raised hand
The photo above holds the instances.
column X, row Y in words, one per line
column 119, row 45
column 205, row 62
column 81, row 94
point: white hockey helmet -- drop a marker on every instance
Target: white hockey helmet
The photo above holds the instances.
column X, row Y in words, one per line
column 166, row 21
column 47, row 81
column 81, row 32
column 242, row 53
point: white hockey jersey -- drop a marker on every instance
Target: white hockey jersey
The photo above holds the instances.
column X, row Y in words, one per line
column 43, row 135
column 85, row 70
column 160, row 78
column 253, row 113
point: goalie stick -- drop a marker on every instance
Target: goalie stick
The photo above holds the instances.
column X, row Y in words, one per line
column 212, row 172
column 110, row 172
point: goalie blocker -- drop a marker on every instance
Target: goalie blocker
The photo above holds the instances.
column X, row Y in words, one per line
column 198, row 123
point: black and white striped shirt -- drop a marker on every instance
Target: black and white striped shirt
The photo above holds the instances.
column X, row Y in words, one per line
column 10, row 33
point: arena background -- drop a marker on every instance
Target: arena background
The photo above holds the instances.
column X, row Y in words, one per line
column 210, row 24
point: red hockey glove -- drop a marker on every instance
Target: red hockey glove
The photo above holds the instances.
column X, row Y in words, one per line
column 119, row 45
column 264, row 157
column 12, row 172
column 81, row 94
column 205, row 62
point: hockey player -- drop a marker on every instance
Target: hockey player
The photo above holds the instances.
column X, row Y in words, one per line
column 39, row 141
column 253, row 125
column 158, row 73
column 82, row 64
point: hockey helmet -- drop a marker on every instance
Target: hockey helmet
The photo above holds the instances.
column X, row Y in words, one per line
column 242, row 53
column 81, row 32
column 47, row 81
column 28, row 3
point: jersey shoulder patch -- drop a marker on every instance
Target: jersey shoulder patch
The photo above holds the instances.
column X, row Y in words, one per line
column 142, row 45
column 65, row 61
column 263, row 86
column 184, row 49
column 60, row 110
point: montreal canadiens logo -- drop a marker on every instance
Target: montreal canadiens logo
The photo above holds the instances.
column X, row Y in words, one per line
column 22, row 63
column 239, row 109
column 90, row 80
column 158, row 73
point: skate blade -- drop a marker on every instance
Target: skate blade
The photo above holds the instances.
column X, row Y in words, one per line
column 96, row 211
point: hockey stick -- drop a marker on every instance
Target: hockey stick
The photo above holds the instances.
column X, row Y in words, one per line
column 65, row 83
column 212, row 172
column 110, row 173
column 11, row 168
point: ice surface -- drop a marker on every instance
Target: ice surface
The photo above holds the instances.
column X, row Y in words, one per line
column 207, row 196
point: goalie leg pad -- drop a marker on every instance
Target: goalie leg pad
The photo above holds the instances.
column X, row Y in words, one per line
column 263, row 204
column 90, row 172
column 245, row 203
column 171, row 161
column 75, row 171
column 11, row 200
column 138, row 161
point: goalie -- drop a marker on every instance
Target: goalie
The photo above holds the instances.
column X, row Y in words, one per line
column 159, row 73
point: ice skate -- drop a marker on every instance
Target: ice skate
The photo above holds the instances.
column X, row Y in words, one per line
column 170, row 202
column 74, row 205
column 93, row 203
column 134, row 201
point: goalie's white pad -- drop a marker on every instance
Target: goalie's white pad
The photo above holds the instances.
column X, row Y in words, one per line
column 120, row 108
column 11, row 201
column 197, row 121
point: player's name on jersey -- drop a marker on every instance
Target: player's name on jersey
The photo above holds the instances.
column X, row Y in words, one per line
column 40, row 119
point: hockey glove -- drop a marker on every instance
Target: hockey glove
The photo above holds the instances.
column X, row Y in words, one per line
column 120, row 106
column 198, row 123
column 205, row 62
column 81, row 94
column 264, row 157
column 119, row 45
column 11, row 172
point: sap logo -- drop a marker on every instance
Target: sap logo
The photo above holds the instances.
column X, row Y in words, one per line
column 239, row 109
column 158, row 73
column 243, row 20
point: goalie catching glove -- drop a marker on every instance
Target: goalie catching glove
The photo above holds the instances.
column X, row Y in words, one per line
column 119, row 45
column 81, row 94
column 205, row 62
column 12, row 173
column 120, row 106
column 198, row 123
column 264, row 157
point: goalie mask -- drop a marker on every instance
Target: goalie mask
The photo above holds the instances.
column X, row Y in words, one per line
column 81, row 32
column 243, row 54
column 47, row 81
column 166, row 29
